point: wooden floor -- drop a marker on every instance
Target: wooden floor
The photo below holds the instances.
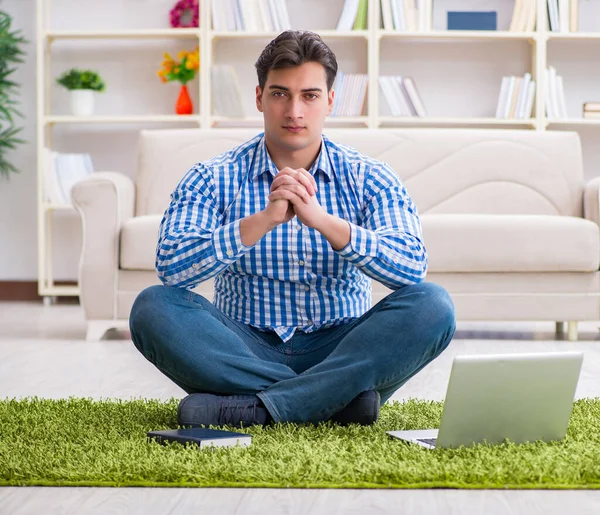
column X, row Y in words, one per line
column 43, row 353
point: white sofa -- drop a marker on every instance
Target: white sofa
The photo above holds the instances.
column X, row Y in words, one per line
column 511, row 228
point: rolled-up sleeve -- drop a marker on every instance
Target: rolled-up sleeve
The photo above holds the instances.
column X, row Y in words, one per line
column 193, row 243
column 387, row 244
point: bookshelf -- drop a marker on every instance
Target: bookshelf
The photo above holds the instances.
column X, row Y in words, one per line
column 373, row 52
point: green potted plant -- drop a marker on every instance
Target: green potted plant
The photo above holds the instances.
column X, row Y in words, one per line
column 10, row 52
column 82, row 85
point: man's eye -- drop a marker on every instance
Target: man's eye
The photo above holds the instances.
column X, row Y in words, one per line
column 278, row 93
column 311, row 96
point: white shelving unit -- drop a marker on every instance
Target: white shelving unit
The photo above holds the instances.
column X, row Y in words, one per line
column 375, row 40
column 46, row 37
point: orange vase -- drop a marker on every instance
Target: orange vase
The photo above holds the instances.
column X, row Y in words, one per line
column 184, row 102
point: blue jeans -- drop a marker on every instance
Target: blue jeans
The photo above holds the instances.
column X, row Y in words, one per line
column 306, row 379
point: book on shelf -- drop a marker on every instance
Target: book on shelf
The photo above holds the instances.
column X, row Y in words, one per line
column 591, row 110
column 555, row 104
column 574, row 16
column 360, row 22
column 563, row 15
column 353, row 15
column 515, row 101
column 227, row 95
column 524, row 16
column 61, row 172
column 407, row 15
column 402, row 96
column 350, row 92
column 250, row 15
column 415, row 98
column 472, row 20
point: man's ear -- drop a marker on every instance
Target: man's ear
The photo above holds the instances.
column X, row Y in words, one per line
column 330, row 98
column 259, row 99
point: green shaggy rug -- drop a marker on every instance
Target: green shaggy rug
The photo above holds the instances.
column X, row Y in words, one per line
column 82, row 442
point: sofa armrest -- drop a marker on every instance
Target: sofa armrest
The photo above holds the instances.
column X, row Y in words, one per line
column 105, row 200
column 591, row 200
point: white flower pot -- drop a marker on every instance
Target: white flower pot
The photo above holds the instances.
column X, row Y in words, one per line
column 82, row 102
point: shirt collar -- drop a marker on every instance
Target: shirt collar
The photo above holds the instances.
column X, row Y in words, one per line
column 264, row 163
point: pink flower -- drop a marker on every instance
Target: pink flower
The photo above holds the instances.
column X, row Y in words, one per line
column 187, row 7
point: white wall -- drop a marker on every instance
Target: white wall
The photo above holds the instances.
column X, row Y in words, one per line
column 446, row 74
column 18, row 238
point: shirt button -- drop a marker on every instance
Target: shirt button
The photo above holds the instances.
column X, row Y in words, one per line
column 230, row 253
column 195, row 265
column 309, row 322
column 299, row 227
column 301, row 262
column 307, row 287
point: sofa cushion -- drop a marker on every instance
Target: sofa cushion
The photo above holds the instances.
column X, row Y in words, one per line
column 455, row 243
column 139, row 237
column 493, row 171
column 510, row 243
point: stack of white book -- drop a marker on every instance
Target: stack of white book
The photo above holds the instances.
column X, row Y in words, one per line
column 350, row 91
column 402, row 96
column 591, row 110
column 61, row 172
column 227, row 95
column 563, row 15
column 250, row 15
column 524, row 16
column 515, row 101
column 556, row 107
column 407, row 15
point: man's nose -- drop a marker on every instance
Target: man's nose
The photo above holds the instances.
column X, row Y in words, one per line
column 294, row 109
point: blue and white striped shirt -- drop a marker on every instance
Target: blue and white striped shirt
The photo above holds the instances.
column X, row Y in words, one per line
column 291, row 279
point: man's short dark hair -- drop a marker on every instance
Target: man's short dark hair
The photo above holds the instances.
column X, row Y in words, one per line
column 293, row 48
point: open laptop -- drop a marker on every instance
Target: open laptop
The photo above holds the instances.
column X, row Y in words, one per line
column 490, row 398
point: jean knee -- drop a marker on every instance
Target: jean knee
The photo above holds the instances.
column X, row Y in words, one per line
column 147, row 302
column 146, row 305
column 442, row 313
column 432, row 307
column 441, row 302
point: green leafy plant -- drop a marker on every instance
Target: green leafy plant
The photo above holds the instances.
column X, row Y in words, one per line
column 11, row 51
column 81, row 79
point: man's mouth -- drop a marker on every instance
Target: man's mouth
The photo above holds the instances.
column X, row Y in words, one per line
column 293, row 128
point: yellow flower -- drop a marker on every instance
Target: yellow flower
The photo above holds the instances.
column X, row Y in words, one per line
column 192, row 62
column 181, row 69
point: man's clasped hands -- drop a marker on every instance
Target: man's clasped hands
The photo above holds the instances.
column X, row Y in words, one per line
column 293, row 192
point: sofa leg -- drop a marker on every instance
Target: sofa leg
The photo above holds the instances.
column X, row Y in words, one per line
column 560, row 327
column 572, row 331
column 96, row 330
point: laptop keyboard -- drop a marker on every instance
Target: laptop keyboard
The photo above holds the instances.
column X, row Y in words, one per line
column 430, row 441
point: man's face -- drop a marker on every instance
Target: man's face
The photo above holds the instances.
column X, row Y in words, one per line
column 295, row 103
